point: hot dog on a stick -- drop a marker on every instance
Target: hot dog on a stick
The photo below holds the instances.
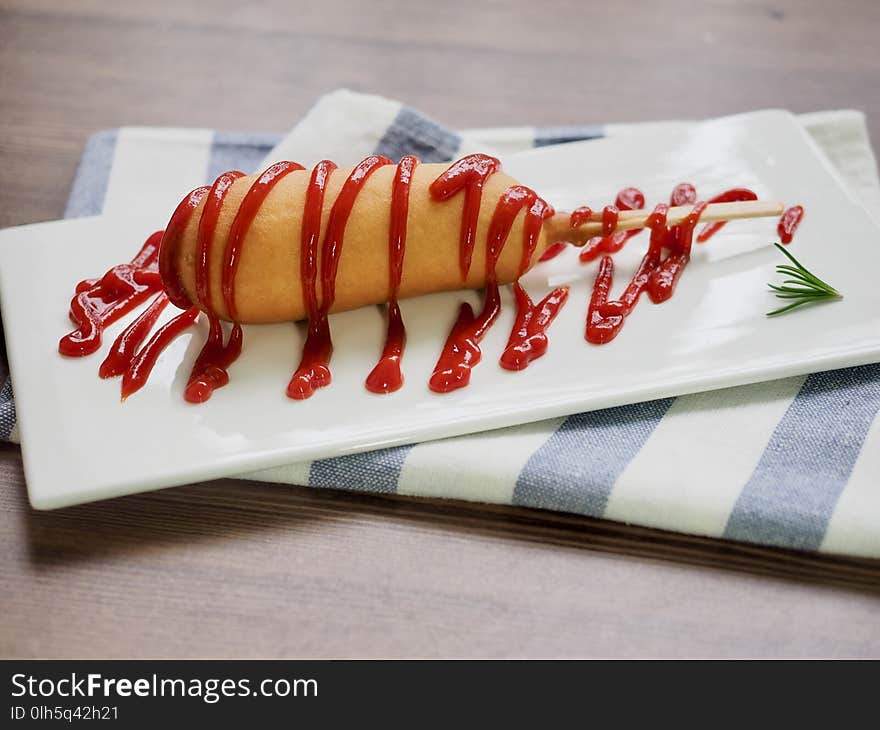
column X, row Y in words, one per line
column 292, row 244
column 250, row 238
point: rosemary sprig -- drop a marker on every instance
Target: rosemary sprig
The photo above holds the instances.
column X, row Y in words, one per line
column 803, row 288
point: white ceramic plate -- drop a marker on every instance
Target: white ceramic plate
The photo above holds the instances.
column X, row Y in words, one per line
column 80, row 443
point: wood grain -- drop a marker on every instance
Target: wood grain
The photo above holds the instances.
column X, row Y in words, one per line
column 238, row 569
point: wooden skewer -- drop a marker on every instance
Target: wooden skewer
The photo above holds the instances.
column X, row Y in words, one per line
column 558, row 228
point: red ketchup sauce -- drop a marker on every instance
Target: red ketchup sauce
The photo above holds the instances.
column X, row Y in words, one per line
column 135, row 376
column 314, row 368
column 605, row 318
column 789, row 222
column 728, row 196
column 125, row 346
column 462, row 353
column 577, row 217
column 250, row 206
column 97, row 303
column 313, row 371
column 528, row 338
column 608, row 242
column 209, row 369
column 386, row 377
column 656, row 274
column 469, row 174
column 171, row 244
column 553, row 250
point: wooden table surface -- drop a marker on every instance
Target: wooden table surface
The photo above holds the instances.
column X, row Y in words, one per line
column 238, row 569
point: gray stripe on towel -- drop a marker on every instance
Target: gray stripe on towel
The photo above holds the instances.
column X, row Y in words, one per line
column 414, row 134
column 793, row 491
column 575, row 470
column 372, row 471
column 90, row 183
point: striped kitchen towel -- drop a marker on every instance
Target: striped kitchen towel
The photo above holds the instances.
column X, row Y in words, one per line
column 793, row 463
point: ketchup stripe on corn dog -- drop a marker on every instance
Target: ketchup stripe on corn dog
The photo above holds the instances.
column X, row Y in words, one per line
column 468, row 174
column 250, row 206
column 209, row 371
column 386, row 376
column 314, row 371
column 462, row 349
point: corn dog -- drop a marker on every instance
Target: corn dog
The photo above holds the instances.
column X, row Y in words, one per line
column 269, row 258
column 292, row 244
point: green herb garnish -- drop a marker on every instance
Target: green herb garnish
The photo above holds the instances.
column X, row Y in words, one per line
column 805, row 287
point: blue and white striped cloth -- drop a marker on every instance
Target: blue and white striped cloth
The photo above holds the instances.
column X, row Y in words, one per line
column 793, row 463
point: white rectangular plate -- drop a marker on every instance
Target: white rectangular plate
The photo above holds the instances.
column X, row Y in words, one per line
column 80, row 443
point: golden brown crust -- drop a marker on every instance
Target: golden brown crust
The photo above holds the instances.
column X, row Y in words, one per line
column 268, row 282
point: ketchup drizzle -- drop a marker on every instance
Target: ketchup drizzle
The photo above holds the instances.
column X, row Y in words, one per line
column 250, row 204
column 98, row 303
column 125, row 346
column 469, row 174
column 662, row 281
column 331, row 248
column 604, row 318
column 209, row 369
column 579, row 216
column 313, row 371
column 171, row 243
column 386, row 377
column 461, row 352
column 314, row 368
column 553, row 250
column 205, row 239
column 610, row 214
column 627, row 199
column 656, row 275
column 528, row 338
column 728, row 196
column 603, row 323
column 135, row 376
column 126, row 286
column 686, row 194
column 789, row 222
column 532, row 225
